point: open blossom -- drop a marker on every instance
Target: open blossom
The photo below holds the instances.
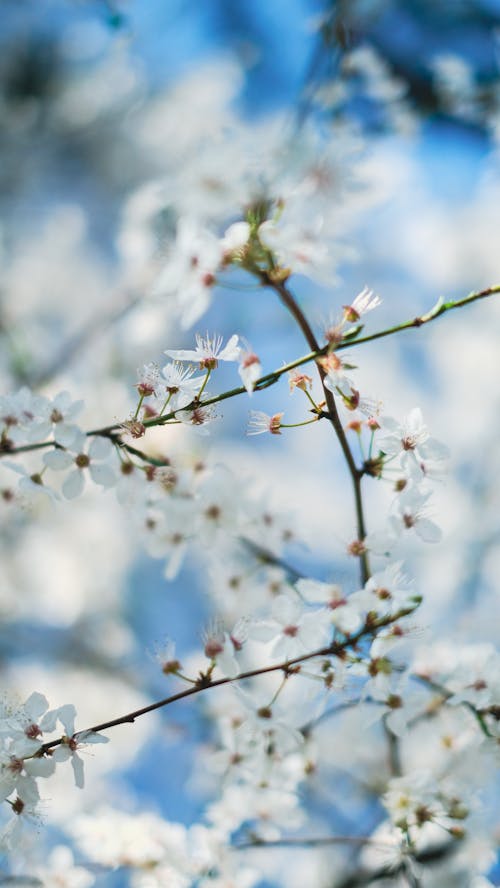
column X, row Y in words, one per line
column 57, row 420
column 25, row 725
column 20, row 415
column 31, row 483
column 208, row 351
column 94, row 458
column 299, row 245
column 220, row 647
column 189, row 273
column 410, row 440
column 294, row 630
column 147, row 380
column 410, row 513
column 199, row 418
column 387, row 592
column 260, row 423
column 68, row 750
column 180, row 385
column 344, row 613
column 411, row 507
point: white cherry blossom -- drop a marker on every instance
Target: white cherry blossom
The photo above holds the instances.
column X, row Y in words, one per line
column 410, row 441
column 94, row 456
column 179, row 384
column 190, row 270
column 343, row 612
column 294, row 630
column 208, row 351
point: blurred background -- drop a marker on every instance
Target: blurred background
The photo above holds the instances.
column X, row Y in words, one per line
column 119, row 118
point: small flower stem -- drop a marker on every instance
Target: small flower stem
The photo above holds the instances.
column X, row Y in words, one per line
column 167, row 402
column 136, row 414
column 313, row 402
column 207, row 377
column 295, row 425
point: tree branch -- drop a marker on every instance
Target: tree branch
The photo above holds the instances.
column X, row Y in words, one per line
column 204, row 683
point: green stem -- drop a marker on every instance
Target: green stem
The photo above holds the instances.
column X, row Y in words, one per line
column 268, row 379
column 295, row 425
column 166, row 404
column 136, row 414
column 311, row 399
column 207, row 377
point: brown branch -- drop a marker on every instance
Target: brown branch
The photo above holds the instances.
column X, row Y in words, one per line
column 204, row 683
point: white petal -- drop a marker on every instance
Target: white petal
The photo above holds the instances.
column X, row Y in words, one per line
column 77, row 765
column 100, row 448
column 68, row 435
column 35, row 705
column 91, row 737
column 66, row 715
column 182, row 354
column 428, row 531
column 73, row 484
column 58, row 460
column 102, row 474
column 232, row 350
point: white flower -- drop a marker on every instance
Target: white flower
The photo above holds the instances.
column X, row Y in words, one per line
column 218, row 506
column 24, row 725
column 410, row 440
column 31, row 483
column 410, row 512
column 22, row 416
column 95, row 460
column 387, row 592
column 411, row 508
column 300, row 246
column 63, row 410
column 189, row 273
column 148, row 378
column 344, row 613
column 199, row 418
column 69, row 750
column 208, row 351
column 179, row 384
column 168, row 531
column 293, row 630
column 220, row 647
column 259, row 423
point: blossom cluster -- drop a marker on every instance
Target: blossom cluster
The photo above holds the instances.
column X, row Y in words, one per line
column 309, row 678
column 25, row 728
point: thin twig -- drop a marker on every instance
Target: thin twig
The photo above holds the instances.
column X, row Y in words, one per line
column 356, row 474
